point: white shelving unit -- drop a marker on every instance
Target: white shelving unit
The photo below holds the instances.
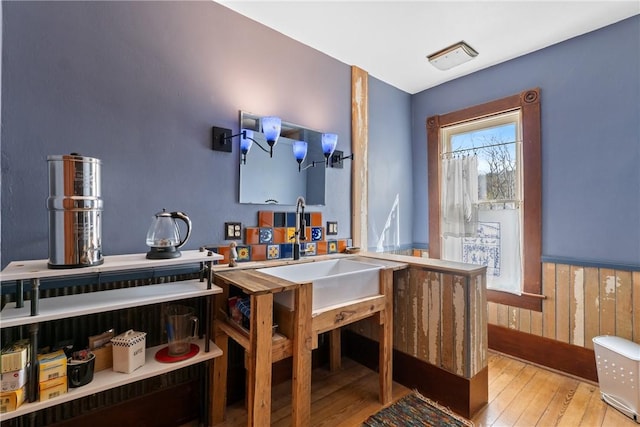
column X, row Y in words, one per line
column 49, row 309
column 105, row 380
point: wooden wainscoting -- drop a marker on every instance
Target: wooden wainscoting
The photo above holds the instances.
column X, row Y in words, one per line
column 581, row 303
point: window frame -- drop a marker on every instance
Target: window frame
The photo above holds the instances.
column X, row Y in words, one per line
column 528, row 102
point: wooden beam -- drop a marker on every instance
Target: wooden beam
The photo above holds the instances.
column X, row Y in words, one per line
column 359, row 148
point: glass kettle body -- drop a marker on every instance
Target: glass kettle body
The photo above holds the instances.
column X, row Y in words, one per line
column 163, row 236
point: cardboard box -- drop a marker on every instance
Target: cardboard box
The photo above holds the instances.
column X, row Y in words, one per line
column 52, row 365
column 52, row 388
column 11, row 400
column 128, row 351
column 104, row 358
column 14, row 380
column 15, row 356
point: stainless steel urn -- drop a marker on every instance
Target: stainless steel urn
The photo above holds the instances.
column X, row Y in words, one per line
column 75, row 211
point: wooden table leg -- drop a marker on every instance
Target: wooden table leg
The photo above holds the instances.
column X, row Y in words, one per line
column 386, row 339
column 302, row 344
column 219, row 379
column 259, row 363
column 335, row 350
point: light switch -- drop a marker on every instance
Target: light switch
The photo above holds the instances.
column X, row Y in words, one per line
column 332, row 228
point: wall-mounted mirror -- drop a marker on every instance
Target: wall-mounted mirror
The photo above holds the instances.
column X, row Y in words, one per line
column 276, row 180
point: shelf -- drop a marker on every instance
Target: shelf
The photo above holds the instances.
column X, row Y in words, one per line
column 107, row 379
column 37, row 269
column 102, row 301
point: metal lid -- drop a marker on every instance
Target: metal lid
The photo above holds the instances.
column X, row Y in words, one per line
column 128, row 339
column 73, row 157
column 622, row 346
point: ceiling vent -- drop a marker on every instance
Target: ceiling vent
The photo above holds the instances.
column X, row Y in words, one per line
column 451, row 56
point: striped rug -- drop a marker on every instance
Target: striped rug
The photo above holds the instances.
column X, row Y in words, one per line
column 416, row 410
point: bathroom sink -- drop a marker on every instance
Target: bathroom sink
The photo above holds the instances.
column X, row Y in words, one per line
column 334, row 281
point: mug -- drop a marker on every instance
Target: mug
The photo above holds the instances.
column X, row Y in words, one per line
column 182, row 328
column 80, row 372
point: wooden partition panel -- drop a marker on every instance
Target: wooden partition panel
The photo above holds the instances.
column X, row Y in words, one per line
column 440, row 318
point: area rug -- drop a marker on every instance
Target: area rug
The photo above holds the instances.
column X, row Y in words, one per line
column 416, row 410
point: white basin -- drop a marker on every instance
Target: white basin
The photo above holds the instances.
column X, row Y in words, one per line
column 334, row 282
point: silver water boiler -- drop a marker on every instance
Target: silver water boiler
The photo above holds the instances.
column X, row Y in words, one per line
column 75, row 211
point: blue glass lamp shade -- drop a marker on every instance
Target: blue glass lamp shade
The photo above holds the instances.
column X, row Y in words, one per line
column 246, row 141
column 329, row 142
column 299, row 152
column 271, row 129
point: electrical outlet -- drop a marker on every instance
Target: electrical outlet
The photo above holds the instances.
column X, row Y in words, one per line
column 221, row 139
column 232, row 231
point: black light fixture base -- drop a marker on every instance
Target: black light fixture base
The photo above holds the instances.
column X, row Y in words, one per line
column 336, row 160
column 167, row 252
column 221, row 139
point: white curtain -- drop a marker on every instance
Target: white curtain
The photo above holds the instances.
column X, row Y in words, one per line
column 460, row 196
column 489, row 236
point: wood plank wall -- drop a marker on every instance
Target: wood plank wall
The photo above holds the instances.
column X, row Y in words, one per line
column 438, row 318
column 582, row 303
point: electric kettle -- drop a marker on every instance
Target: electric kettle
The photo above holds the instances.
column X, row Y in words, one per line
column 163, row 236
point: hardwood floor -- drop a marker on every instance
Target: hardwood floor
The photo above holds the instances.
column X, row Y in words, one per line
column 520, row 394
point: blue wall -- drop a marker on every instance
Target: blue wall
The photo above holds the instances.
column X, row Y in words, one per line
column 590, row 100
column 390, row 180
column 139, row 85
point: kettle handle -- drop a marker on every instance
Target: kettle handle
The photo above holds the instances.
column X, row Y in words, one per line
column 183, row 216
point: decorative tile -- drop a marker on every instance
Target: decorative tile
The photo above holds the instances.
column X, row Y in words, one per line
column 316, row 219
column 342, row 245
column 286, row 250
column 224, row 251
column 309, row 249
column 252, row 235
column 265, row 219
column 279, row 219
column 317, row 233
column 273, row 251
column 332, row 246
column 321, row 248
column 258, row 252
column 291, row 234
column 266, row 235
column 244, row 253
column 279, row 235
column 291, row 219
column 307, row 234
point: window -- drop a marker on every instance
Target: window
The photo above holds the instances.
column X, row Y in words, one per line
column 495, row 148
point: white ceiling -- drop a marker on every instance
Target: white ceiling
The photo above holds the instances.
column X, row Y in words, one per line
column 391, row 39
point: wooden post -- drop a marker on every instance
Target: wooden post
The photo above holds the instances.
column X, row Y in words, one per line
column 335, row 350
column 218, row 381
column 359, row 143
column 301, row 387
column 259, row 360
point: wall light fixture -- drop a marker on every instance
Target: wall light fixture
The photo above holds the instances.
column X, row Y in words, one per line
column 270, row 127
column 222, row 137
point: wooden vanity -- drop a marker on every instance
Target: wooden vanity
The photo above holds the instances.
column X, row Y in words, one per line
column 297, row 336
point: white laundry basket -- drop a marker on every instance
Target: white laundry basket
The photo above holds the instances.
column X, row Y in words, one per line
column 618, row 363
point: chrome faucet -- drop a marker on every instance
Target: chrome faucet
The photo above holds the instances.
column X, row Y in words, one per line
column 300, row 227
